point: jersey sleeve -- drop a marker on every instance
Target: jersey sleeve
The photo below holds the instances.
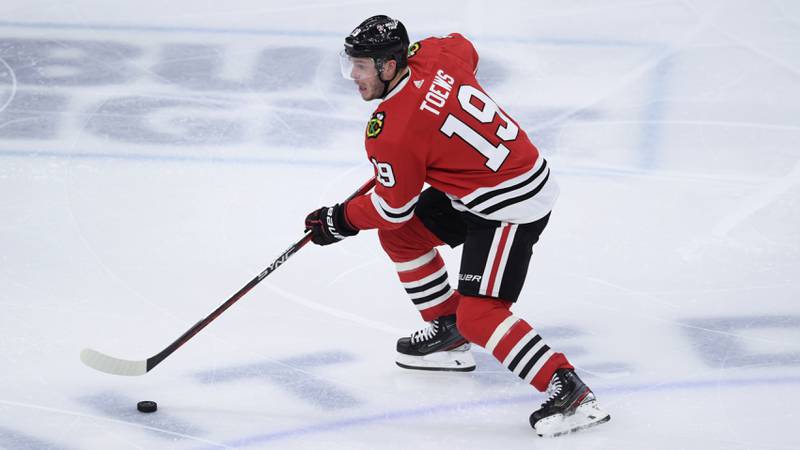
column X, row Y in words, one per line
column 400, row 175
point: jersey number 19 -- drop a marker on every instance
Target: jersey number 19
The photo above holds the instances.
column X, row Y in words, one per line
column 495, row 155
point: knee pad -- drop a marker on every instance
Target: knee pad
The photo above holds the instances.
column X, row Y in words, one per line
column 478, row 317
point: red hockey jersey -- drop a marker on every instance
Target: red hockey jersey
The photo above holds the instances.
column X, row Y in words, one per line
column 439, row 127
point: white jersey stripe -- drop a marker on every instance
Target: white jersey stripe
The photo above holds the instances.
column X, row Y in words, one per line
column 500, row 332
column 529, row 199
column 512, row 194
column 383, row 214
column 480, row 191
column 401, row 210
column 417, row 263
column 393, row 215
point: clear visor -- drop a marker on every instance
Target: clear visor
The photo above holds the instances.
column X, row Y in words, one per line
column 357, row 68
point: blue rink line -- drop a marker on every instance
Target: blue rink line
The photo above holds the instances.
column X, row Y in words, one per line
column 457, row 407
column 650, row 142
column 54, row 154
column 88, row 156
column 298, row 33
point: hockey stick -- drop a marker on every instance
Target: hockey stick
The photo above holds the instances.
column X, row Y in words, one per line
column 115, row 366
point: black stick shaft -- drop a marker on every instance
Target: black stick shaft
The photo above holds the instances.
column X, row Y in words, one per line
column 155, row 360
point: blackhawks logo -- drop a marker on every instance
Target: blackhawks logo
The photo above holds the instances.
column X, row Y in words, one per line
column 413, row 49
column 375, row 124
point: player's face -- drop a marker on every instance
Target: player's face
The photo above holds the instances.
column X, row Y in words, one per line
column 364, row 74
column 369, row 88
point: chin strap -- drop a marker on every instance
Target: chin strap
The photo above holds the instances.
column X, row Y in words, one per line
column 385, row 87
column 387, row 83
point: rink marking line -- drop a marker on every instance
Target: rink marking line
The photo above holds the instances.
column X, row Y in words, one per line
column 356, row 268
column 335, row 312
column 747, row 45
column 765, row 195
column 16, row 439
column 564, row 169
column 651, row 138
column 107, row 419
column 631, row 292
column 162, row 29
column 16, row 121
column 299, row 33
column 13, row 85
column 324, row 427
column 756, row 202
column 681, row 323
column 174, row 158
column 716, row 123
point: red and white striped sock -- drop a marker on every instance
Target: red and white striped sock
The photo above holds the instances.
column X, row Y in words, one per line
column 510, row 339
column 522, row 351
column 426, row 283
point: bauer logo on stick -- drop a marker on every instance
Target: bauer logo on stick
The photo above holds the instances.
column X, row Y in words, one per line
column 375, row 125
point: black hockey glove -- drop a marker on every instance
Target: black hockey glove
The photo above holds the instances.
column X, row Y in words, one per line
column 328, row 225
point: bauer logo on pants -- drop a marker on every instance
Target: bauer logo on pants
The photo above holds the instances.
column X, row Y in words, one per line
column 469, row 277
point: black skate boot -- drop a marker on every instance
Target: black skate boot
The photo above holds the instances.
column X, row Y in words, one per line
column 438, row 347
column 570, row 406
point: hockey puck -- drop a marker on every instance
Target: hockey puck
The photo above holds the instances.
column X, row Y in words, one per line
column 147, row 406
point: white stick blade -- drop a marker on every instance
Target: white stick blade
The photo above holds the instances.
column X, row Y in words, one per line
column 114, row 366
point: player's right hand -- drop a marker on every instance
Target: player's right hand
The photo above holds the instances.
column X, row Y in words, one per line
column 328, row 225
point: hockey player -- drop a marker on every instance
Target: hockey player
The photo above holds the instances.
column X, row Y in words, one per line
column 490, row 191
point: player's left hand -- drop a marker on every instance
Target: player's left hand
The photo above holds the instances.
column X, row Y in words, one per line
column 328, row 225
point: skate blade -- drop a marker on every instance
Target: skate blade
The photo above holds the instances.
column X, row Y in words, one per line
column 456, row 360
column 587, row 415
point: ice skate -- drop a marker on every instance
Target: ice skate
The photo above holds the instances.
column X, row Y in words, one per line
column 438, row 347
column 570, row 406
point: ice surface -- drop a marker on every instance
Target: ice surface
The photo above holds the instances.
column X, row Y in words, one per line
column 155, row 156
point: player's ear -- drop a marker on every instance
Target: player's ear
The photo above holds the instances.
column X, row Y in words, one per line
column 389, row 69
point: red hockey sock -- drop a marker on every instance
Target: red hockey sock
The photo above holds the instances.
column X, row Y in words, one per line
column 489, row 323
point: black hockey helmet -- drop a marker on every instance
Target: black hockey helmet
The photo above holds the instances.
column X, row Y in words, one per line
column 380, row 38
